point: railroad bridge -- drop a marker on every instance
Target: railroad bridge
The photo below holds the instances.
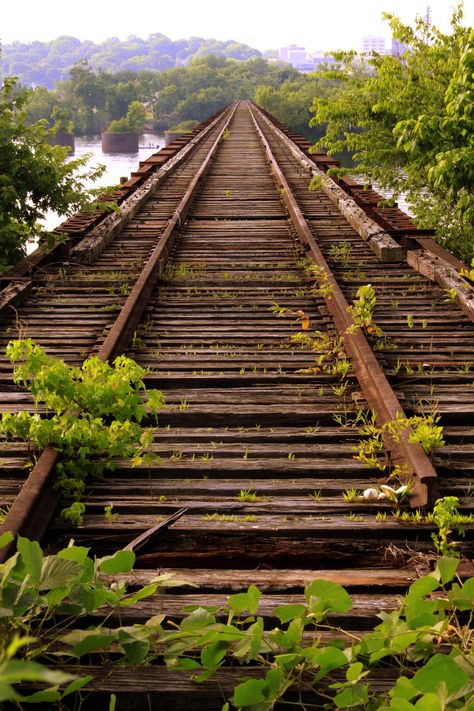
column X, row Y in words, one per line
column 237, row 287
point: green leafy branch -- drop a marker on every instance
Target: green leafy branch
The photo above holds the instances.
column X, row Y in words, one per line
column 42, row 601
column 418, row 429
column 362, row 311
column 93, row 414
column 424, row 644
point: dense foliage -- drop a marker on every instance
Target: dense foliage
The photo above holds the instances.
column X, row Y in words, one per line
column 34, row 176
column 92, row 99
column 423, row 648
column 133, row 121
column 94, row 414
column 45, row 63
column 206, row 84
column 409, row 121
column 290, row 102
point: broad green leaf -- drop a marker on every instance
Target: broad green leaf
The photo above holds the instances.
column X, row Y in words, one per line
column 5, row 539
column 422, row 587
column 245, row 601
column 197, row 619
column 463, row 598
column 185, row 663
column 93, row 599
column 447, row 567
column 293, row 634
column 155, row 621
column 428, row 702
column 57, row 572
column 213, row 654
column 120, row 562
column 92, row 641
column 329, row 658
column 249, row 693
column 440, row 668
column 273, row 682
column 402, row 641
column 141, row 594
column 8, row 693
column 80, row 555
column 31, row 557
column 57, row 595
column 249, row 647
column 352, row 696
column 327, row 596
column 135, row 650
column 354, row 671
column 288, row 661
column 421, row 612
column 203, row 676
column 400, row 704
column 285, row 613
column 403, row 689
column 43, row 697
column 76, row 553
column 76, row 685
column 16, row 670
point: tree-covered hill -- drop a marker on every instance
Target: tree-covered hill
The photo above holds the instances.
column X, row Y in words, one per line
column 44, row 63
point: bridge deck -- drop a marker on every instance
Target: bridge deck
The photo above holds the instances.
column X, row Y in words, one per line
column 248, row 411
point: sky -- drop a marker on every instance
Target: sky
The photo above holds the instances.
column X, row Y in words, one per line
column 263, row 24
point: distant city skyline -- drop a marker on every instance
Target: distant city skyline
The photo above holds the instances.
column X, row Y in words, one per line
column 339, row 24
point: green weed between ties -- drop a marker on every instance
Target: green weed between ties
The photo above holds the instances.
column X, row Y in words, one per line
column 423, row 648
column 93, row 415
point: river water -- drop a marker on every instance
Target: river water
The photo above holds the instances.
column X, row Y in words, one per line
column 117, row 165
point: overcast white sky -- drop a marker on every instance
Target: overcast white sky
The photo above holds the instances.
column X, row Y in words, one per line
column 264, row 24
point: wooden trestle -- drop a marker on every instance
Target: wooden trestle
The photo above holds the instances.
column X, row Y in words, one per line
column 246, row 407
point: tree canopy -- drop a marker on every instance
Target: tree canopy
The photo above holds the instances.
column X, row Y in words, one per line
column 93, row 99
column 45, row 63
column 134, row 120
column 409, row 123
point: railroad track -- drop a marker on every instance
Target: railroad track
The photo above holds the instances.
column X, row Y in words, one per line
column 256, row 442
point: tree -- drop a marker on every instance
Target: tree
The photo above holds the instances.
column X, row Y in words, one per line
column 133, row 122
column 290, row 102
column 409, row 122
column 136, row 116
column 34, row 176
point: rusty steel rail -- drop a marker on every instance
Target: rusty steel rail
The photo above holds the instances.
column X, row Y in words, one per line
column 375, row 386
column 129, row 317
column 33, row 507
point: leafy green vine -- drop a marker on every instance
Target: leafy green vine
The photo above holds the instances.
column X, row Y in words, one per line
column 424, row 647
column 92, row 415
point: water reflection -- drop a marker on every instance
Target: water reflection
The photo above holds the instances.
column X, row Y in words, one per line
column 117, row 164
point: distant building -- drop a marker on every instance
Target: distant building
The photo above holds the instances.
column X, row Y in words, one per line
column 293, row 54
column 302, row 60
column 372, row 44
